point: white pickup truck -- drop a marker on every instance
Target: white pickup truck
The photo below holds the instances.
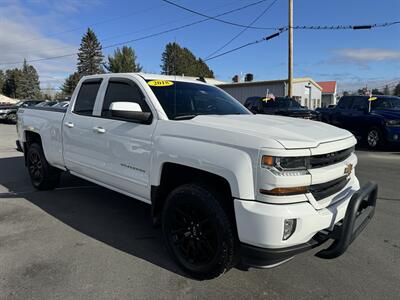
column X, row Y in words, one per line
column 227, row 186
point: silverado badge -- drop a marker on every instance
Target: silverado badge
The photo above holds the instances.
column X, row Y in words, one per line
column 348, row 169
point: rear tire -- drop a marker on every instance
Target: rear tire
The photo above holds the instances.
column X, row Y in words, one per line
column 43, row 175
column 374, row 138
column 199, row 234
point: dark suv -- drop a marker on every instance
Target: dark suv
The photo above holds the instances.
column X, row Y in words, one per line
column 376, row 119
column 279, row 106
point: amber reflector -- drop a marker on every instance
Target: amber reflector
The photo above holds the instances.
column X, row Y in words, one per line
column 285, row 191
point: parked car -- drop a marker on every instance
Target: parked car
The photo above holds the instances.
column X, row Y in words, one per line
column 46, row 103
column 62, row 104
column 8, row 113
column 279, row 106
column 375, row 120
column 227, row 186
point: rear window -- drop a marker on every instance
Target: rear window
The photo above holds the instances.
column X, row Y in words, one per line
column 86, row 99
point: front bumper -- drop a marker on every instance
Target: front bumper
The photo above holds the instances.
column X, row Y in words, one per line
column 358, row 211
column 393, row 134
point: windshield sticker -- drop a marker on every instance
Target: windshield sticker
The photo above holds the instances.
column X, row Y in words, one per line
column 160, row 83
column 372, row 98
column 266, row 99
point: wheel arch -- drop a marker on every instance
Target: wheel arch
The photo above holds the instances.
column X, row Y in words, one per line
column 174, row 175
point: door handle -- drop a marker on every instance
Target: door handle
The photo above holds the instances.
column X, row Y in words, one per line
column 99, row 129
column 69, row 124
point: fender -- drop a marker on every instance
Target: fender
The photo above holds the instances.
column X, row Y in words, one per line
column 235, row 165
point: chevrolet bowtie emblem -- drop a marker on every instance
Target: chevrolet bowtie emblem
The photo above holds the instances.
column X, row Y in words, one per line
column 348, row 169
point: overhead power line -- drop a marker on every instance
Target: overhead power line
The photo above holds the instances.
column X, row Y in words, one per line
column 264, row 39
column 146, row 36
column 243, row 30
column 281, row 29
column 345, row 27
column 86, row 26
column 215, row 18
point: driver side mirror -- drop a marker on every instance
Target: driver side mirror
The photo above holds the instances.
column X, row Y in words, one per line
column 129, row 111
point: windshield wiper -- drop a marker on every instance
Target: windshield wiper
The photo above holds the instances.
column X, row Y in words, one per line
column 185, row 117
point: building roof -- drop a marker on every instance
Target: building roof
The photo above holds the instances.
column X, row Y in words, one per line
column 5, row 99
column 261, row 82
column 328, row 87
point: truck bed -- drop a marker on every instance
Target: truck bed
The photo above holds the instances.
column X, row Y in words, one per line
column 48, row 121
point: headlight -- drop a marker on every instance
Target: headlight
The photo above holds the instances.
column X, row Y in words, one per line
column 393, row 123
column 290, row 166
column 3, row 111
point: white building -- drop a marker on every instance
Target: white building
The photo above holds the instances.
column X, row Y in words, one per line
column 329, row 92
column 305, row 90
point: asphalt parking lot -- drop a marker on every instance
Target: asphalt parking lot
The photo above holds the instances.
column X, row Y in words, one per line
column 82, row 241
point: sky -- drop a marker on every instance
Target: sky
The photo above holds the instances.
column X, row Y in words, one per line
column 36, row 29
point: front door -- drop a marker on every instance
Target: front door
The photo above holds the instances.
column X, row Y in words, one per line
column 123, row 147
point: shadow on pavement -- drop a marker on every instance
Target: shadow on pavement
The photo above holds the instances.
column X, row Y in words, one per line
column 116, row 220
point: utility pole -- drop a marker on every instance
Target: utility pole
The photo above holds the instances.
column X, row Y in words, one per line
column 290, row 64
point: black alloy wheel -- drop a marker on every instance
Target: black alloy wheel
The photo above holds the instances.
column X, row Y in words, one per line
column 43, row 175
column 198, row 232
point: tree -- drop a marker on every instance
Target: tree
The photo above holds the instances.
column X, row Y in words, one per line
column 90, row 56
column 28, row 87
column 397, row 90
column 123, row 61
column 346, row 93
column 12, row 79
column 70, row 83
column 386, row 90
column 2, row 80
column 181, row 61
column 376, row 92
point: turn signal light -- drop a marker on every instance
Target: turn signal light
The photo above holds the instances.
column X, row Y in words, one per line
column 285, row 191
column 268, row 160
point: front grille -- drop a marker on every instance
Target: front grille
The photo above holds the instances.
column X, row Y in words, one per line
column 323, row 190
column 323, row 160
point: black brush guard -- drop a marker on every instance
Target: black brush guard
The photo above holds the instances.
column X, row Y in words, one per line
column 360, row 210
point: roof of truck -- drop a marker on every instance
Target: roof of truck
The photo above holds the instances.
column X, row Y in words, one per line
column 149, row 76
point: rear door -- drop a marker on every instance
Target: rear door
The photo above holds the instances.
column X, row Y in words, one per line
column 342, row 115
column 78, row 141
column 123, row 146
column 359, row 115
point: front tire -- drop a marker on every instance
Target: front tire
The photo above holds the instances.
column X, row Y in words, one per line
column 198, row 232
column 374, row 138
column 43, row 175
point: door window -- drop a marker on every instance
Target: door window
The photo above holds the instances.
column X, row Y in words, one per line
column 359, row 103
column 86, row 99
column 123, row 91
column 345, row 103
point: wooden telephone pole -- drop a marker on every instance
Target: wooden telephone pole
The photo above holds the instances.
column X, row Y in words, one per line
column 290, row 64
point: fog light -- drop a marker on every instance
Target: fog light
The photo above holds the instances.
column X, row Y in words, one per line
column 288, row 228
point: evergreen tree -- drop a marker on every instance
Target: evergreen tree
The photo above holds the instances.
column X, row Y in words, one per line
column 181, row 61
column 386, row 90
column 28, row 87
column 376, row 92
column 12, row 79
column 397, row 90
column 90, row 56
column 2, row 80
column 204, row 70
column 123, row 61
column 70, row 83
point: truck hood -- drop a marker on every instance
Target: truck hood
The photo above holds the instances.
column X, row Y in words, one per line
column 291, row 133
column 392, row 114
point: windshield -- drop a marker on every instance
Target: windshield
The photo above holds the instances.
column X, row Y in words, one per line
column 386, row 103
column 185, row 100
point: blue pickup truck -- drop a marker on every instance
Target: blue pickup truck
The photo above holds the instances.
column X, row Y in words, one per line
column 375, row 120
